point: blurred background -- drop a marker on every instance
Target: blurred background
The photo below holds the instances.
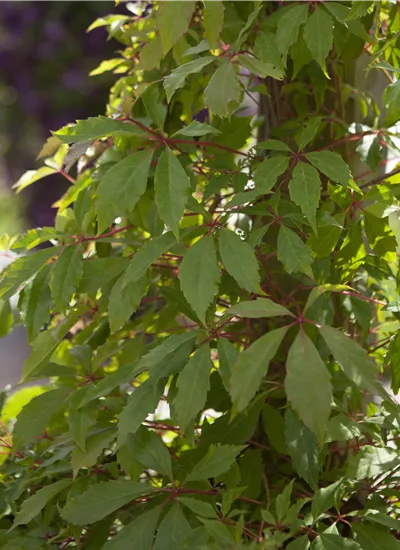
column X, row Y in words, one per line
column 46, row 56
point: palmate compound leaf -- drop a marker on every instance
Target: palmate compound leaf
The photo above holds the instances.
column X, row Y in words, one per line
column 193, row 385
column 252, row 365
column 223, row 90
column 200, row 275
column 173, row 20
column 352, row 359
column 245, row 271
column 308, row 386
column 33, row 505
column 332, row 165
column 121, row 187
column 305, row 191
column 171, row 186
column 102, row 499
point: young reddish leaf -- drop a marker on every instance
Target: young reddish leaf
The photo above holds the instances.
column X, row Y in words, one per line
column 200, row 276
column 308, row 386
column 171, row 186
column 252, row 365
column 245, row 271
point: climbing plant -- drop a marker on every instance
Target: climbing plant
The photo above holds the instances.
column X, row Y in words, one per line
column 216, row 311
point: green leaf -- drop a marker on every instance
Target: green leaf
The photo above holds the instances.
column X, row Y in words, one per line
column 309, row 132
column 258, row 308
column 213, row 19
column 33, row 238
column 199, row 507
column 273, row 145
column 274, row 426
column 202, row 46
column 102, row 499
column 331, row 541
column 371, row 461
column 165, row 349
column 31, row 176
column 218, row 460
column 293, row 253
column 151, row 54
column 267, row 173
column 305, row 191
column 200, row 276
column 6, row 318
column 324, row 243
column 45, row 344
column 301, row 543
column 193, row 385
column 283, row 501
column 289, row 26
column 142, row 401
column 352, row 359
column 35, row 416
column 123, row 375
column 224, row 91
column 173, row 21
column 359, row 9
column 252, row 365
column 173, row 529
column 65, row 275
column 171, row 186
column 150, row 450
column 96, row 128
column 124, row 300
column 244, row 28
column 394, row 357
column 141, row 530
column 176, row 78
column 153, row 103
column 195, row 129
column 318, row 34
column 95, row 445
column 303, row 449
column 121, row 187
column 227, row 356
column 146, row 255
column 325, row 498
column 308, row 386
column 99, row 272
column 245, row 272
column 219, row 532
column 33, row 505
column 374, row 537
column 22, row 269
column 332, row 165
column 260, row 68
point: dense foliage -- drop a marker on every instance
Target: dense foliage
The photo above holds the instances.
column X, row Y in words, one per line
column 217, row 307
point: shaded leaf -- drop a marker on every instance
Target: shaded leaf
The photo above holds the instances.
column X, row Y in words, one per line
column 124, row 300
column 213, row 20
column 173, row 529
column 332, row 165
column 193, row 385
column 258, row 308
column 65, row 275
column 102, row 499
column 97, row 127
column 223, row 90
column 176, row 78
column 289, row 26
column 199, row 507
column 141, row 530
column 218, row 460
column 173, row 21
column 293, row 252
column 318, row 34
column 252, row 365
column 305, row 191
